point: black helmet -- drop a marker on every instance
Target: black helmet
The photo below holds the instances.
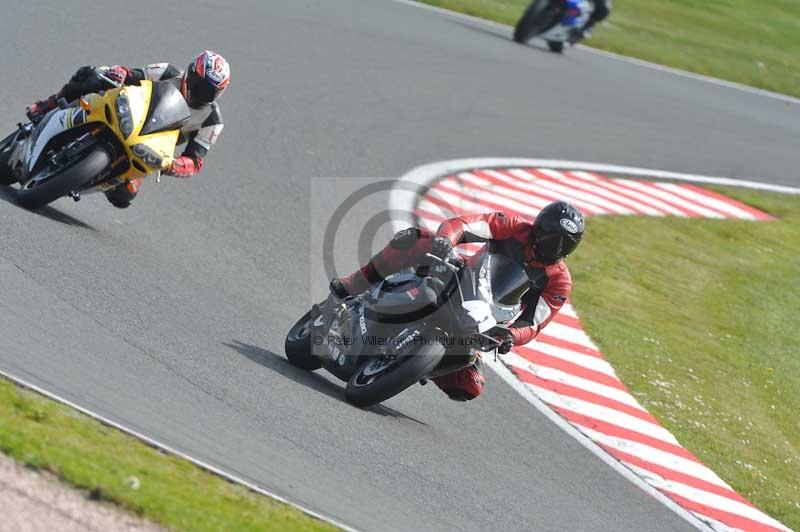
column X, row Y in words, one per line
column 556, row 233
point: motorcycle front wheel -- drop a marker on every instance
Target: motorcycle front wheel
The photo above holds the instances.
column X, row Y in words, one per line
column 540, row 16
column 298, row 343
column 379, row 379
column 6, row 147
column 50, row 183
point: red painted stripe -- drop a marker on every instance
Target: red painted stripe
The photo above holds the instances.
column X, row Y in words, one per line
column 507, row 186
column 675, row 476
column 725, row 215
column 760, row 215
column 727, row 518
column 438, row 218
column 691, row 213
column 617, row 431
column 546, row 360
column 590, row 397
column 617, row 188
column 490, row 205
column 569, row 321
column 566, row 344
column 544, row 194
column 609, row 195
column 550, row 179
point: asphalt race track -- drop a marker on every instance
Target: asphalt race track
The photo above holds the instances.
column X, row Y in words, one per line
column 170, row 317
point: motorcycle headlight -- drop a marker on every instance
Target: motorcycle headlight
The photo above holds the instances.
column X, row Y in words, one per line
column 149, row 156
column 124, row 114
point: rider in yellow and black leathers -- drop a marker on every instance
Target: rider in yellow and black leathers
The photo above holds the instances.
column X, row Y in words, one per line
column 201, row 83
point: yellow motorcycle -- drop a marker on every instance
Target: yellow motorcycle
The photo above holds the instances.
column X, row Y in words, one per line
column 95, row 143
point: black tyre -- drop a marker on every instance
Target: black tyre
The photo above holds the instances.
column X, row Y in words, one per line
column 298, row 343
column 6, row 175
column 374, row 383
column 556, row 46
column 541, row 15
column 47, row 186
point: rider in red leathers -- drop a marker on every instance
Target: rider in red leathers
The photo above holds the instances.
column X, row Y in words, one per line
column 201, row 83
column 541, row 246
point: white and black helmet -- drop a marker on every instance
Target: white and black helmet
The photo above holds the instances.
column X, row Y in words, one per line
column 557, row 231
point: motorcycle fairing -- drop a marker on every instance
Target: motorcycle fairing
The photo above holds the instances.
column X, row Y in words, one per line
column 576, row 15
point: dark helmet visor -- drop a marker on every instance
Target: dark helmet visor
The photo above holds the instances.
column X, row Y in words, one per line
column 551, row 248
column 200, row 91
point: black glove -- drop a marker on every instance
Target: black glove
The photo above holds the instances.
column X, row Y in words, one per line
column 441, row 247
column 506, row 345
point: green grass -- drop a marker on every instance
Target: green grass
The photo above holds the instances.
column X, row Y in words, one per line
column 749, row 41
column 115, row 467
column 700, row 320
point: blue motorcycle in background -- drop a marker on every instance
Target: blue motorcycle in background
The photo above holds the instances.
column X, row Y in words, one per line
column 555, row 21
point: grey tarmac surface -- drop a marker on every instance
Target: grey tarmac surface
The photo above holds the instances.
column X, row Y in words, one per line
column 170, row 316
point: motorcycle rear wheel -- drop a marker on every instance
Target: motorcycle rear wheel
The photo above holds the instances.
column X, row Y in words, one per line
column 365, row 390
column 298, row 344
column 540, row 16
column 556, row 46
column 38, row 191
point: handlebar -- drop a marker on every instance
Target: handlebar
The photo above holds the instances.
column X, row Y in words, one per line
column 445, row 262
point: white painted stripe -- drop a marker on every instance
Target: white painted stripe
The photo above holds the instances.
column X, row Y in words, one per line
column 429, row 224
column 603, row 413
column 590, row 362
column 483, row 185
column 587, row 361
column 555, row 375
column 717, row 502
column 460, row 205
column 573, row 181
column 568, row 310
column 716, row 525
column 544, row 195
column 570, row 334
column 707, row 200
column 609, row 204
column 571, row 194
column 611, row 185
column 481, row 196
column 435, row 209
column 648, row 188
column 655, row 456
column 555, row 191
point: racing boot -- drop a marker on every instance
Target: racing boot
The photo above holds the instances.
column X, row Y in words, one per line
column 122, row 195
column 36, row 111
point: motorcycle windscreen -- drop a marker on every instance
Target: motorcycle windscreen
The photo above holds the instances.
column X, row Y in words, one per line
column 168, row 110
column 508, row 279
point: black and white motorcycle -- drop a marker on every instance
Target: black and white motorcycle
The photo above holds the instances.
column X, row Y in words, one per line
column 412, row 326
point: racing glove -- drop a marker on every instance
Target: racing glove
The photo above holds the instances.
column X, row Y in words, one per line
column 506, row 345
column 185, row 166
column 116, row 73
column 441, row 247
